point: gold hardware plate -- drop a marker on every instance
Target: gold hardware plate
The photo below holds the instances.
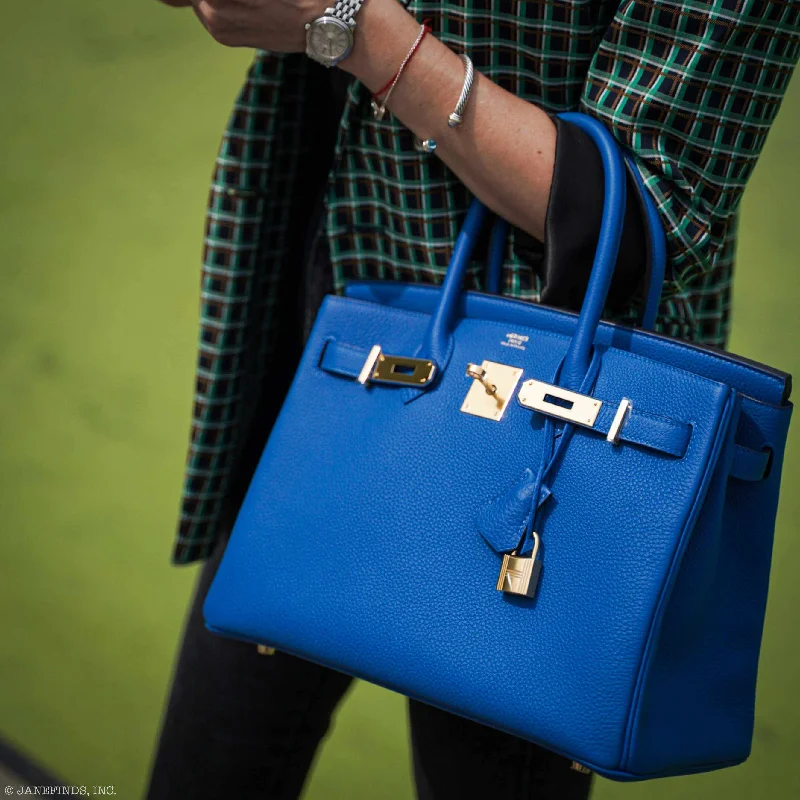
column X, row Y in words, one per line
column 481, row 403
column 573, row 407
column 399, row 369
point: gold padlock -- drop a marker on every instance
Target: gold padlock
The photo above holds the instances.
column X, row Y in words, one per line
column 520, row 574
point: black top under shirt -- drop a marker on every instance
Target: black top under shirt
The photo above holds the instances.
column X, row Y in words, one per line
column 563, row 262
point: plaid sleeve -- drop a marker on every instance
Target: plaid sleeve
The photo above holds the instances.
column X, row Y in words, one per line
column 692, row 88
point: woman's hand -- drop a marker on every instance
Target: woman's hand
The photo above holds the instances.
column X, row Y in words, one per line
column 276, row 25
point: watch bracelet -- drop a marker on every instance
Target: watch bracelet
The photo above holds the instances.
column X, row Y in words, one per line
column 346, row 10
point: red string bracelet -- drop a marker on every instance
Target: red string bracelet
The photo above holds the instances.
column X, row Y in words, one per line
column 380, row 108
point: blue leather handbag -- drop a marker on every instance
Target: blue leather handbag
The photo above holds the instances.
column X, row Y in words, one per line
column 552, row 525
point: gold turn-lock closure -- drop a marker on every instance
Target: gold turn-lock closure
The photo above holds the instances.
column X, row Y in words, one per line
column 520, row 574
column 479, row 374
column 492, row 388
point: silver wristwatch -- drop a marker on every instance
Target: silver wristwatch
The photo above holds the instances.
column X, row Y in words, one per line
column 329, row 38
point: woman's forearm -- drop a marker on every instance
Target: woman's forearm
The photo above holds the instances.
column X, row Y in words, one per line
column 505, row 148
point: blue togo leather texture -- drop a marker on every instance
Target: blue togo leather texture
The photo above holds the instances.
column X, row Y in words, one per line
column 371, row 536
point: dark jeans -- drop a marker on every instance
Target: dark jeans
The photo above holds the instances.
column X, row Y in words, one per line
column 239, row 724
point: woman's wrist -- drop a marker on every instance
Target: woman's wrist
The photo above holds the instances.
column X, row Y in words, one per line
column 502, row 135
column 383, row 35
column 432, row 81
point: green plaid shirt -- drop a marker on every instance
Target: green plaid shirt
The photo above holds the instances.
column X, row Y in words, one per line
column 691, row 88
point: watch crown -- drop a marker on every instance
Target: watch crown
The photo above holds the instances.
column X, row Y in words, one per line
column 307, row 25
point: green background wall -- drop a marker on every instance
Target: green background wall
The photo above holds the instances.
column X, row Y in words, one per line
column 110, row 115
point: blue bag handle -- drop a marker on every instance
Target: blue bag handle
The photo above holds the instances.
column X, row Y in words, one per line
column 656, row 247
column 438, row 342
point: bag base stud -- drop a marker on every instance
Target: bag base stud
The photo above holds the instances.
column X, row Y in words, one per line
column 578, row 767
column 265, row 650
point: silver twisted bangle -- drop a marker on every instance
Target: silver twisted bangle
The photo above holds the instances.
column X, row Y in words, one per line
column 457, row 117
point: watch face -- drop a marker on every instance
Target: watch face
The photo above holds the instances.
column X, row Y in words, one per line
column 329, row 39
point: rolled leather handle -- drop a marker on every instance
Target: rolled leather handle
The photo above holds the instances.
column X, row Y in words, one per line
column 656, row 251
column 579, row 352
column 437, row 342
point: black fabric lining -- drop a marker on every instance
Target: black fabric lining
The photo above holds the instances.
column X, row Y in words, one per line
column 564, row 261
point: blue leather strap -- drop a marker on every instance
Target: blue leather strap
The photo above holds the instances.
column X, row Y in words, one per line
column 497, row 251
column 652, row 431
column 343, row 359
column 555, row 440
column 437, row 344
column 656, row 247
column 749, row 465
column 646, row 430
column 578, row 357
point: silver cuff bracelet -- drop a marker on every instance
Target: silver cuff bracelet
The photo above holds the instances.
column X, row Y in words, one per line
column 457, row 117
